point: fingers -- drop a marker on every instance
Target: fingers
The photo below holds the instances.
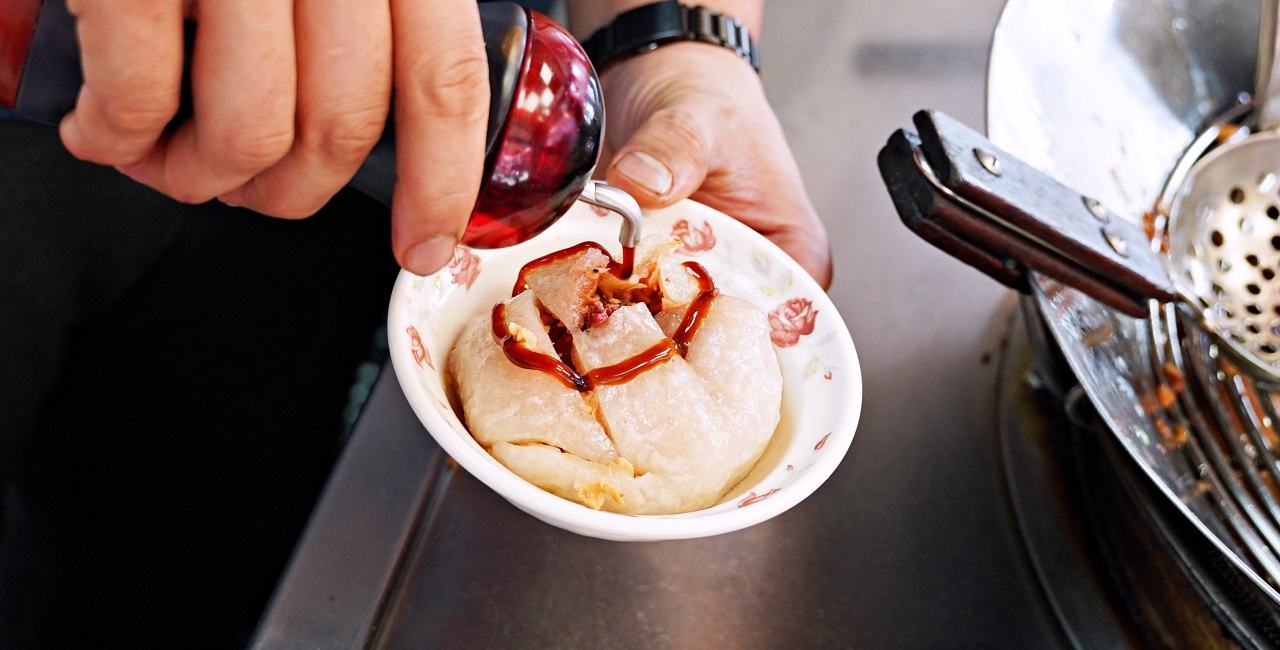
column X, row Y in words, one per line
column 441, row 107
column 131, row 56
column 673, row 155
column 694, row 122
column 759, row 184
column 280, row 130
column 243, row 81
column 807, row 244
column 666, row 159
column 344, row 95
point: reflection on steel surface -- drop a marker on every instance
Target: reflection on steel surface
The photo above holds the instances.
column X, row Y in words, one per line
column 1105, row 97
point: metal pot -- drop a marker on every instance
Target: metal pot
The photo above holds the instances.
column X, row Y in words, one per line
column 1105, row 97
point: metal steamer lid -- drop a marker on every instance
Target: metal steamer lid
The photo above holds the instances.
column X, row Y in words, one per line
column 1106, row 97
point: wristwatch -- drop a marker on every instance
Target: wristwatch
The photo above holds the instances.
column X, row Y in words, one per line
column 650, row 26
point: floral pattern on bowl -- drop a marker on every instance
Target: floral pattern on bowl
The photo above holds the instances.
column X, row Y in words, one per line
column 822, row 393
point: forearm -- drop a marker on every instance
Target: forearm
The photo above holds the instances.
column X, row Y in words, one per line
column 586, row 16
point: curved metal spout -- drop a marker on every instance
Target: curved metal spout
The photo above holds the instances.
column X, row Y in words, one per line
column 611, row 198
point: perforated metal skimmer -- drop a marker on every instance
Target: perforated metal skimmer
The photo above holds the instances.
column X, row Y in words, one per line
column 1224, row 223
column 1224, row 246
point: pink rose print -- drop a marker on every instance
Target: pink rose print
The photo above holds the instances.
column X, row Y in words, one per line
column 600, row 212
column 752, row 497
column 821, row 443
column 420, row 353
column 693, row 241
column 791, row 320
column 465, row 266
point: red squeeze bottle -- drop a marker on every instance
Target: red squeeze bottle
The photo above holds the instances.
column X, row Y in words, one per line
column 546, row 113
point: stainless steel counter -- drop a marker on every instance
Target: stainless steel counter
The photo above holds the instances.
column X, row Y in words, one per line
column 910, row 544
column 905, row 547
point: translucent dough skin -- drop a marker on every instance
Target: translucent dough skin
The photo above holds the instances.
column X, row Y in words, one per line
column 692, row 428
column 505, row 403
column 564, row 287
column 742, row 379
column 658, row 420
column 557, row 472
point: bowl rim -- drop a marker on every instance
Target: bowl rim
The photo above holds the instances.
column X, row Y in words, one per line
column 609, row 525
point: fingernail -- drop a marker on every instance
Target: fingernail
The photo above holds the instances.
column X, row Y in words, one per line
column 646, row 171
column 430, row 256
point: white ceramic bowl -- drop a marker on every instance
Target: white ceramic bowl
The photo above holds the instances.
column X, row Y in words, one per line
column 822, row 383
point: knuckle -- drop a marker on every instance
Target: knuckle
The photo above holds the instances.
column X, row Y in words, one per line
column 252, row 148
column 140, row 116
column 298, row 212
column 451, row 90
column 682, row 128
column 441, row 212
column 342, row 137
column 282, row 208
column 292, row 205
column 188, row 194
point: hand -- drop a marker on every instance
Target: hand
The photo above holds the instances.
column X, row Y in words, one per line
column 288, row 100
column 691, row 120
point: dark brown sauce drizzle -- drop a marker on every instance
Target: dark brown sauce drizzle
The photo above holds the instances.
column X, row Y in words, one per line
column 622, row 269
column 698, row 309
column 625, row 370
column 526, row 358
column 628, row 265
column 632, row 367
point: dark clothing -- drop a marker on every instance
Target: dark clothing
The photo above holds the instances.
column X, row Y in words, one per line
column 172, row 380
column 172, row 386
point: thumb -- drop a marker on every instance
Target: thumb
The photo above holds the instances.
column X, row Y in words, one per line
column 664, row 161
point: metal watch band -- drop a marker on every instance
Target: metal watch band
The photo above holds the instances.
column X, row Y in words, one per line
column 650, row 26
